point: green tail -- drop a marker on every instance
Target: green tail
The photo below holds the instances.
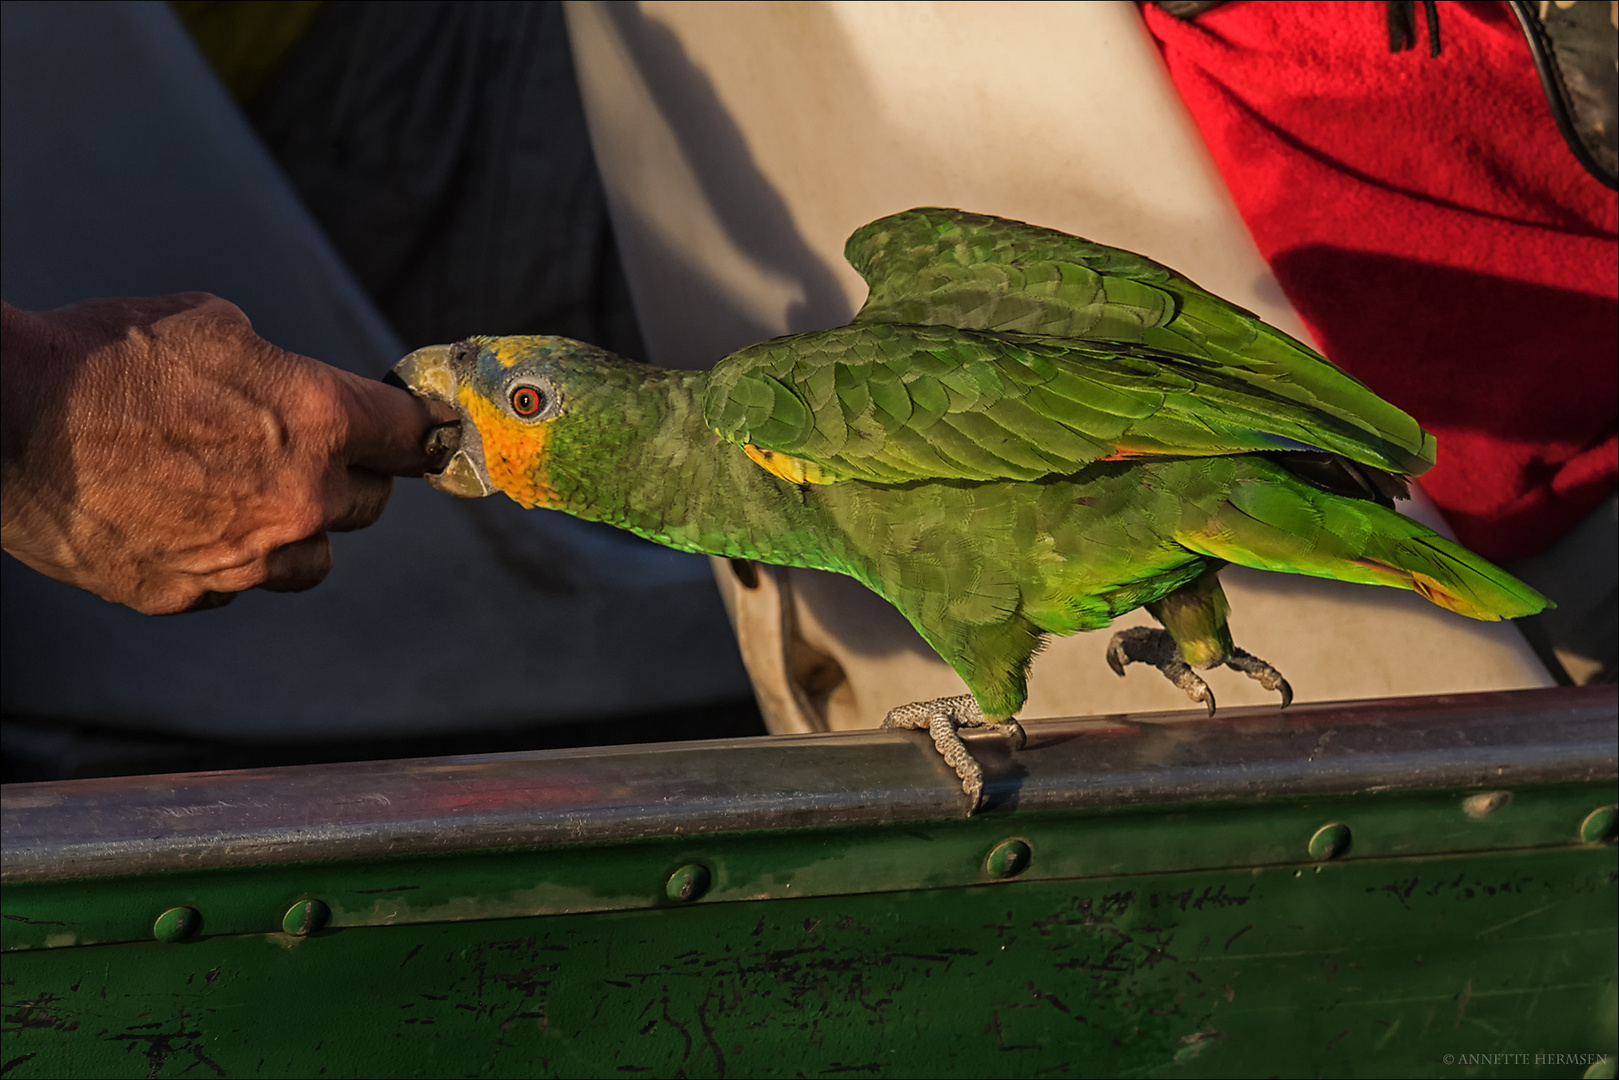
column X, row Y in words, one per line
column 1271, row 520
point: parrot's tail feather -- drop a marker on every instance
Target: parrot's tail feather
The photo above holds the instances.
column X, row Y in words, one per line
column 1455, row 578
column 1275, row 521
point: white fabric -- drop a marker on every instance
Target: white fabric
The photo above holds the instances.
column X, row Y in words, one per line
column 740, row 145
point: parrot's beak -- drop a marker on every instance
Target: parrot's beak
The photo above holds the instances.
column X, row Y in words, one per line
column 431, row 373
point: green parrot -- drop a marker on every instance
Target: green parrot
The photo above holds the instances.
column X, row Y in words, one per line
column 1021, row 433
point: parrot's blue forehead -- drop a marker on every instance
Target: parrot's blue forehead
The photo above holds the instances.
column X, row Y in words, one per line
column 495, row 362
column 496, row 357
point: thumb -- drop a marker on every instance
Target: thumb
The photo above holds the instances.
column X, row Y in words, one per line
column 387, row 427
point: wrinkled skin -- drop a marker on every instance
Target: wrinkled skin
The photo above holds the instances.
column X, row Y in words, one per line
column 159, row 453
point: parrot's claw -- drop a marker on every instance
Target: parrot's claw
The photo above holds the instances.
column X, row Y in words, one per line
column 1255, row 668
column 1143, row 644
column 943, row 718
column 1147, row 645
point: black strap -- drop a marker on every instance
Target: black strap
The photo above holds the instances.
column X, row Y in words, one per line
column 1576, row 53
column 1402, row 24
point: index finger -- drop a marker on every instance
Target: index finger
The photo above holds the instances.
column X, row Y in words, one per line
column 387, row 428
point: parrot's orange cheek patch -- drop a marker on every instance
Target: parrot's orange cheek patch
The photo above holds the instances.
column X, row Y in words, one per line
column 513, row 452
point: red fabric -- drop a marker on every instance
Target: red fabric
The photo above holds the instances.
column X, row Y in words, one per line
column 1432, row 228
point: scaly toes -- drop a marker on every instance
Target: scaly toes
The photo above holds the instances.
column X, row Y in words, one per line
column 1146, row 645
column 954, row 752
column 943, row 718
column 1137, row 644
column 961, row 709
column 1267, row 676
column 1190, row 681
column 1116, row 656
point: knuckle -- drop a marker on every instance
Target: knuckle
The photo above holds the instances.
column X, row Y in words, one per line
column 159, row 604
column 212, row 599
column 315, row 401
column 296, row 512
column 241, row 578
column 300, row 565
column 371, row 497
column 308, row 517
column 227, row 317
column 172, row 598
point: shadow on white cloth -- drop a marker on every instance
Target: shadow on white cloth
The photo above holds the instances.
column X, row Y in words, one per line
column 128, row 171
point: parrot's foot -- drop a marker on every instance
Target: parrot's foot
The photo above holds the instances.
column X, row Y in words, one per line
column 1252, row 666
column 943, row 717
column 1144, row 644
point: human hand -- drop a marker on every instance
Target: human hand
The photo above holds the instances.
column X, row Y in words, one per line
column 160, row 454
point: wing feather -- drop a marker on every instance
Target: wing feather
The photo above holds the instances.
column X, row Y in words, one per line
column 946, row 267
column 990, row 349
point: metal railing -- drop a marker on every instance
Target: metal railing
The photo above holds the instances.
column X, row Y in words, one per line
column 146, row 824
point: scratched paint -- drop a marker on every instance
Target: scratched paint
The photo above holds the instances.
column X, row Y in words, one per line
column 1376, row 967
column 770, row 865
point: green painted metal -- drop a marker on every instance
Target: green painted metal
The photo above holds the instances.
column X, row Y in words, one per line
column 1168, row 899
column 788, row 863
column 305, row 918
column 1234, row 954
column 1600, row 825
column 688, row 883
column 1377, row 967
column 176, row 924
column 1009, row 859
column 1330, row 841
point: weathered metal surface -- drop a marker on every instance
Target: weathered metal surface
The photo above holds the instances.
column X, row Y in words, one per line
column 244, row 880
column 1370, row 968
column 782, row 864
column 1349, row 890
column 87, row 828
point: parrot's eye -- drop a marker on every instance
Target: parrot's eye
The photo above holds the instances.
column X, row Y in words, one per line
column 533, row 398
column 527, row 401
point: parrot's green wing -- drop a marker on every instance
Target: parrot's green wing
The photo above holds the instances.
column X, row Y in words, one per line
column 940, row 267
column 894, row 403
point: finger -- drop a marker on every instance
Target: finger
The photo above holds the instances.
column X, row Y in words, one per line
column 175, row 599
column 208, row 601
column 207, row 306
column 358, row 500
column 298, row 566
column 387, row 427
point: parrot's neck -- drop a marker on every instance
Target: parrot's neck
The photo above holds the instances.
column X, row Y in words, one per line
column 638, row 456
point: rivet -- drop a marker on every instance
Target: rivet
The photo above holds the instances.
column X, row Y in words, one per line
column 1600, row 1070
column 688, row 883
column 305, row 917
column 1599, row 825
column 1485, row 803
column 1009, row 859
column 1329, row 841
column 177, row 924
